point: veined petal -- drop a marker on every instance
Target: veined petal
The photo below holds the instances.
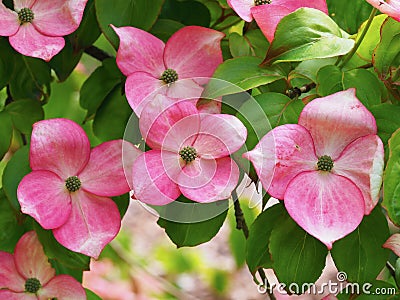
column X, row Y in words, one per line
column 60, row 146
column 9, row 22
column 220, row 178
column 326, row 205
column 393, row 243
column 362, row 162
column 208, row 106
column 219, row 135
column 9, row 276
column 282, row 154
column 104, row 174
column 94, row 222
column 9, row 295
column 30, row 259
column 43, row 195
column 187, row 89
column 242, row 8
column 139, row 51
column 335, row 121
column 194, row 51
column 154, row 177
column 389, row 7
column 129, row 155
column 62, row 287
column 18, row 4
column 30, row 42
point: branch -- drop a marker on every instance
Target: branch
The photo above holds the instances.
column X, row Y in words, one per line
column 297, row 91
column 97, row 53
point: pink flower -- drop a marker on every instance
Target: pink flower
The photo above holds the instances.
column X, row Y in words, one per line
column 28, row 274
column 190, row 153
column 176, row 69
column 389, row 7
column 393, row 243
column 36, row 27
column 268, row 13
column 327, row 169
column 69, row 188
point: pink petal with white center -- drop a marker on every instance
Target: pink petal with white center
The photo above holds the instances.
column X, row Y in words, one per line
column 362, row 162
column 186, row 89
column 141, row 88
column 43, row 195
column 152, row 182
column 389, row 7
column 219, row 135
column 58, row 17
column 62, row 287
column 94, row 222
column 30, row 42
column 197, row 173
column 9, row 22
column 8, row 295
column 9, row 276
column 139, row 51
column 242, row 8
column 166, row 123
column 104, row 174
column 393, row 243
column 18, row 4
column 30, row 259
column 60, row 146
column 282, row 154
column 326, row 205
column 219, row 187
column 194, row 51
column 335, row 121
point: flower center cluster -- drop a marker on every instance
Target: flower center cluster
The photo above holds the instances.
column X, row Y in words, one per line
column 325, row 163
column 169, row 76
column 73, row 183
column 261, row 2
column 25, row 15
column 32, row 285
column 188, row 154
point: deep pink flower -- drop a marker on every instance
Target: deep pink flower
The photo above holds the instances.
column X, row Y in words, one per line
column 36, row 27
column 190, row 153
column 268, row 13
column 176, row 69
column 327, row 169
column 69, row 187
column 28, row 274
column 393, row 243
column 389, row 7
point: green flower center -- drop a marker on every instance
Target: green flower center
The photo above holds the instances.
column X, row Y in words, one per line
column 325, row 163
column 73, row 184
column 25, row 15
column 262, row 2
column 169, row 76
column 188, row 154
column 32, row 285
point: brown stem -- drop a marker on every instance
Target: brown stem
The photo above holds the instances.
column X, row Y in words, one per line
column 97, row 53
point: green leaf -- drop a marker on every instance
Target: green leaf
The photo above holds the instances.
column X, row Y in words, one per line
column 257, row 246
column 6, row 132
column 258, row 42
column 329, row 80
column 391, row 183
column 360, row 254
column 7, row 58
column 297, row 256
column 309, row 68
column 122, row 203
column 135, row 13
column 165, row 28
column 387, row 119
column 307, row 34
column 24, row 114
column 238, row 45
column 188, row 12
column 91, row 295
column 65, row 61
column 241, row 73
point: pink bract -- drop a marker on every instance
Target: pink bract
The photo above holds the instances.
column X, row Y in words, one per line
column 388, row 7
column 269, row 15
column 193, row 52
column 205, row 172
column 42, row 37
column 83, row 219
column 29, row 261
column 393, row 243
column 338, row 133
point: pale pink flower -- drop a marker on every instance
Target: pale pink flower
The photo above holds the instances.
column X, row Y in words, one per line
column 393, row 243
column 190, row 153
column 69, row 187
column 388, row 7
column 268, row 13
column 177, row 69
column 327, row 169
column 28, row 274
column 36, row 27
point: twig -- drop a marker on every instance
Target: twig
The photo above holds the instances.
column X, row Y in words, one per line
column 297, row 91
column 97, row 53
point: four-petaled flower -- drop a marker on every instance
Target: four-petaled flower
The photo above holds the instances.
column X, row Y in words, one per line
column 36, row 27
column 327, row 169
column 69, row 187
column 177, row 69
column 29, row 275
column 190, row 153
column 389, row 7
column 268, row 13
